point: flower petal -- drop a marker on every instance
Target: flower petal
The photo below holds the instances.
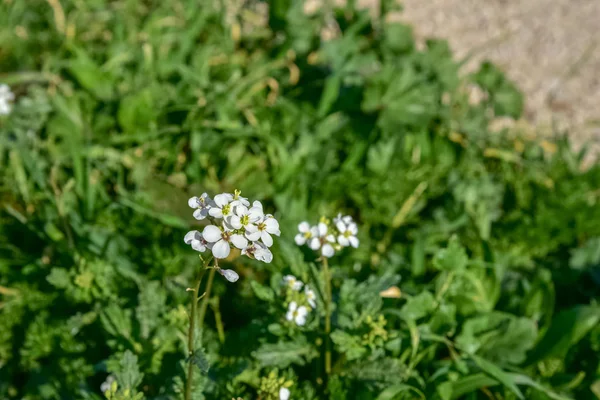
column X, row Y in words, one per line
column 263, row 255
column 216, row 212
column 322, row 227
column 239, row 241
column 198, row 245
column 221, row 249
column 314, row 244
column 353, row 228
column 234, row 221
column 327, row 250
column 211, row 233
column 300, row 239
column 266, row 238
column 223, row 199
column 252, row 236
column 284, row 393
column 303, row 227
column 343, row 241
column 194, row 202
column 272, row 226
column 354, row 241
column 240, row 210
column 191, row 235
column 200, row 213
column 293, row 306
column 341, row 226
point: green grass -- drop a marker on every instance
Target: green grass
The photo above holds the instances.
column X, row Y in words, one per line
column 126, row 108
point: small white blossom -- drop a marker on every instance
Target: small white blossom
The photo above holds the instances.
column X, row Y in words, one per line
column 322, row 240
column 202, row 205
column 297, row 314
column 221, row 240
column 229, row 274
column 222, row 207
column 263, row 230
column 258, row 251
column 348, row 231
column 293, row 282
column 305, row 233
column 6, row 96
column 284, row 393
column 105, row 386
column 310, row 296
column 198, row 243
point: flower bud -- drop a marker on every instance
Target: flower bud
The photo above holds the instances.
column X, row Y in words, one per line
column 229, row 274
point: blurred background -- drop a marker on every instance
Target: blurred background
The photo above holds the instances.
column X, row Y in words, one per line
column 459, row 135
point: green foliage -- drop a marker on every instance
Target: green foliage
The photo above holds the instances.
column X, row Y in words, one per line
column 478, row 271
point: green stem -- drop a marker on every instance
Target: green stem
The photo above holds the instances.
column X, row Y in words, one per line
column 204, row 304
column 191, row 332
column 327, row 276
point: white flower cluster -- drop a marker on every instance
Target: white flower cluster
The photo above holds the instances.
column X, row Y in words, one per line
column 301, row 303
column 328, row 238
column 233, row 223
column 6, row 96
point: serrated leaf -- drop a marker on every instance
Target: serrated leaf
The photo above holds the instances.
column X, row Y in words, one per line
column 198, row 358
column 284, row 354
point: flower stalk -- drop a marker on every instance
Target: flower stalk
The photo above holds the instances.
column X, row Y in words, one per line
column 192, row 331
column 327, row 278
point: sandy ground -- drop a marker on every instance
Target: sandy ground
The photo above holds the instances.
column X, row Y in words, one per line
column 551, row 48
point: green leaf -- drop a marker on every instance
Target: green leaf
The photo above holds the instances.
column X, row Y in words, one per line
column 393, row 391
column 91, row 77
column 497, row 373
column 330, row 94
column 198, row 358
column 348, row 344
column 128, row 374
column 419, row 306
column 151, row 305
column 137, row 111
column 283, row 354
column 454, row 257
column 567, row 328
column 262, row 292
column 497, row 336
column 472, row 383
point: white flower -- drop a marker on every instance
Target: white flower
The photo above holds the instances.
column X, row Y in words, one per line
column 322, row 240
column 242, row 217
column 6, row 96
column 221, row 239
column 237, row 199
column 348, row 233
column 310, row 296
column 294, row 283
column 258, row 251
column 195, row 239
column 222, row 207
column 229, row 274
column 202, row 205
column 105, row 386
column 263, row 230
column 296, row 314
column 305, row 233
column 284, row 393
